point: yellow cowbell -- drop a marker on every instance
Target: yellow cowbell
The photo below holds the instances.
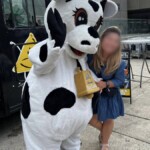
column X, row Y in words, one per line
column 85, row 84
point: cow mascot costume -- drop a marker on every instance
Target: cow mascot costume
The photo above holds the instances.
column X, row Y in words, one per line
column 53, row 116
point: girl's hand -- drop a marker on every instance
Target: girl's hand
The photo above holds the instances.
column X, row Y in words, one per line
column 126, row 72
column 101, row 84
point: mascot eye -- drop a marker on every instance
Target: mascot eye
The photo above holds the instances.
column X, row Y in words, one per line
column 80, row 16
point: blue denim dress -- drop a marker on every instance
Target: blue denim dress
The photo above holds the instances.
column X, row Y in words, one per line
column 104, row 106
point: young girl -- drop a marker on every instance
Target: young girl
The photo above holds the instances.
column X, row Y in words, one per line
column 107, row 64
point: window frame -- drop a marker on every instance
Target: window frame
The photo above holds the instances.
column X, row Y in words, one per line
column 27, row 10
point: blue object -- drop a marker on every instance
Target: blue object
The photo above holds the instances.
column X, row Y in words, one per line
column 107, row 107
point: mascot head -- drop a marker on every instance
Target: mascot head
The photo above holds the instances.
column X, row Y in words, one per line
column 83, row 19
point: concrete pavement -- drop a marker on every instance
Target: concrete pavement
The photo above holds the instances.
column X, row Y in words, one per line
column 131, row 132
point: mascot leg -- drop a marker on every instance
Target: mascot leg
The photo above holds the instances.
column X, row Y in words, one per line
column 36, row 142
column 72, row 143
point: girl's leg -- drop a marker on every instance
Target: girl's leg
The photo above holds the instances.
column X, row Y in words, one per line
column 95, row 123
column 107, row 129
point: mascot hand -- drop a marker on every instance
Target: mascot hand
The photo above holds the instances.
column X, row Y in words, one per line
column 57, row 27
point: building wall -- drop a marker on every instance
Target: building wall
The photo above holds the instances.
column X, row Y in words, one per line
column 133, row 16
column 139, row 9
column 138, row 4
column 122, row 13
column 127, row 8
column 120, row 19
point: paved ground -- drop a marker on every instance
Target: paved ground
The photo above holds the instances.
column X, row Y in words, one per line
column 131, row 132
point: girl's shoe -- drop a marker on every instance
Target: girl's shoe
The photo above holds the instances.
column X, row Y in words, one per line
column 104, row 147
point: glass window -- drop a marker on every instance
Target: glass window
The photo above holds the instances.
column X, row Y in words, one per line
column 39, row 11
column 7, row 13
column 30, row 12
column 19, row 13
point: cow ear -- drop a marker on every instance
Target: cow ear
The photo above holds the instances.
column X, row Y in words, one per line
column 110, row 8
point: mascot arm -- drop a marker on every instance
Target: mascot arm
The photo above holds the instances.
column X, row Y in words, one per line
column 44, row 56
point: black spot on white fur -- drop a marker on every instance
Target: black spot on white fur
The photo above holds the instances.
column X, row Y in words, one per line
column 26, row 102
column 93, row 32
column 103, row 3
column 57, row 27
column 94, row 5
column 58, row 99
column 43, row 53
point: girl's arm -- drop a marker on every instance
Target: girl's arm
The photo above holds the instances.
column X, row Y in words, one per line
column 119, row 77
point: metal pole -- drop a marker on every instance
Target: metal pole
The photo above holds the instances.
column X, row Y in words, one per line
column 12, row 13
column 130, row 68
column 34, row 13
column 27, row 10
column 141, row 76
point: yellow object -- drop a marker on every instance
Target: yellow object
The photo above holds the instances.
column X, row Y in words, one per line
column 23, row 63
column 125, row 92
column 85, row 84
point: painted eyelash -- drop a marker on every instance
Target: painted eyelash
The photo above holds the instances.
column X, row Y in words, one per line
column 75, row 11
column 99, row 22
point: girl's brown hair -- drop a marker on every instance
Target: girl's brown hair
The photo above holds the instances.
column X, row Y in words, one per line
column 114, row 61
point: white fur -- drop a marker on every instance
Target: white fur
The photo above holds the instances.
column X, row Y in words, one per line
column 43, row 131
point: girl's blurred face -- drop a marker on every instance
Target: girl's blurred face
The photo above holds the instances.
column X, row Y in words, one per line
column 110, row 43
